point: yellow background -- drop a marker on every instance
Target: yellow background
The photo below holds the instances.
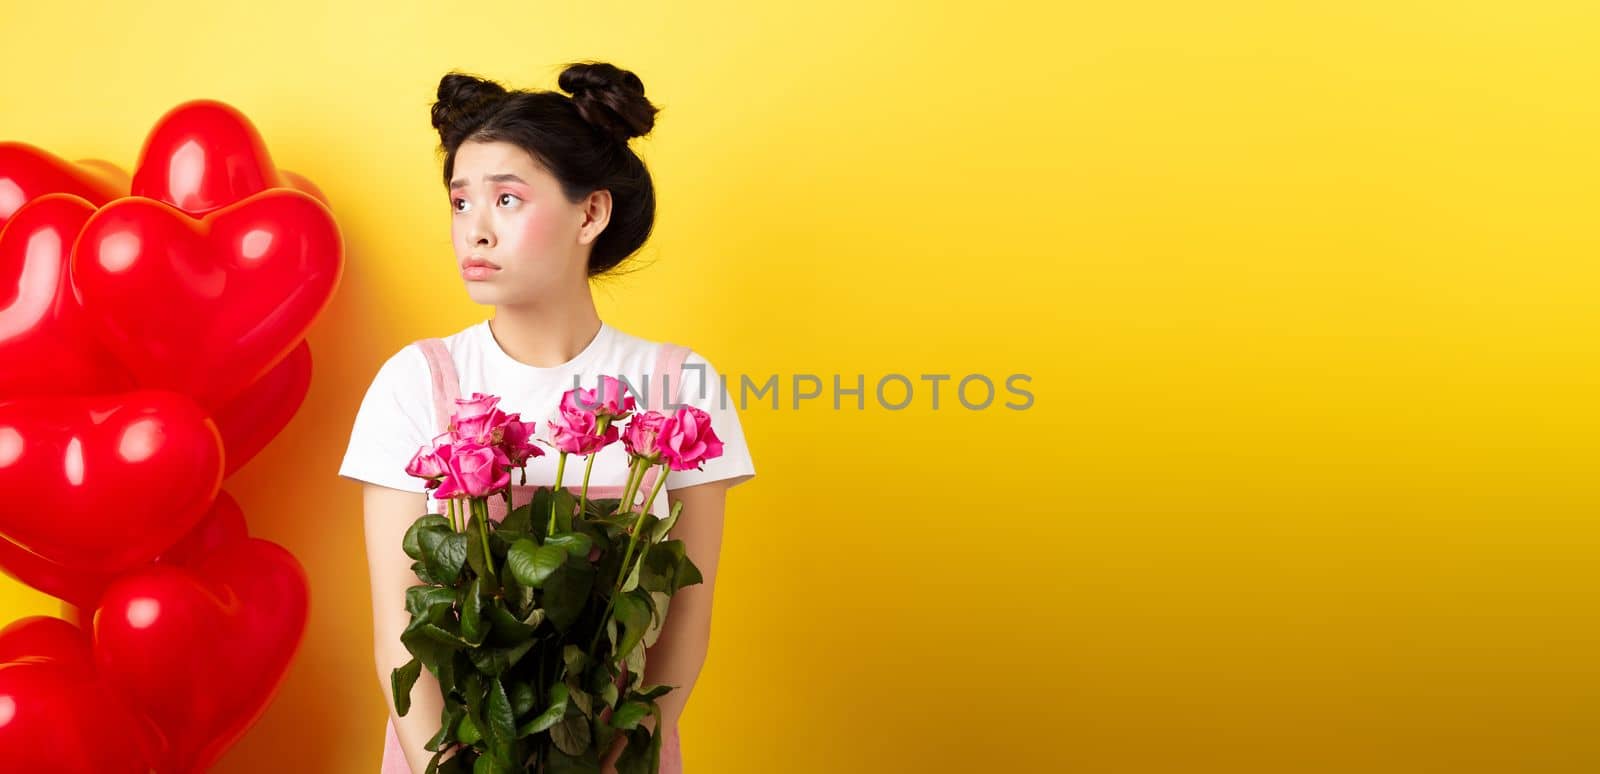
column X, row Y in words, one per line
column 1306, row 295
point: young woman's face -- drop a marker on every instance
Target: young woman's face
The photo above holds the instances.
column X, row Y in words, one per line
column 508, row 212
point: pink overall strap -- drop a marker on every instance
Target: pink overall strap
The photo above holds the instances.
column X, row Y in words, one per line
column 446, row 387
column 665, row 386
column 667, row 375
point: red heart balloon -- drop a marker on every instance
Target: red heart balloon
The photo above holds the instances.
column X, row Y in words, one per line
column 249, row 422
column 56, row 714
column 203, row 155
column 105, row 482
column 223, row 524
column 46, row 341
column 27, row 173
column 81, row 589
column 300, row 182
column 205, row 307
column 201, row 651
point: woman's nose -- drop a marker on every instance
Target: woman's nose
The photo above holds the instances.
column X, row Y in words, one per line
column 482, row 234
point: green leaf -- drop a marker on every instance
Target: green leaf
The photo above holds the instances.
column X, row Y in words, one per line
column 475, row 560
column 502, row 539
column 602, row 507
column 468, row 732
column 667, row 568
column 502, row 728
column 562, row 763
column 635, row 663
column 449, row 719
column 429, row 651
column 494, row 661
column 505, row 624
column 579, row 698
column 490, row 764
column 637, row 757
column 633, row 614
column 651, row 693
column 419, row 569
column 604, row 735
column 574, row 659
column 442, row 634
column 688, row 574
column 535, row 617
column 629, row 714
column 522, row 698
column 531, row 564
column 551, row 715
column 658, row 603
column 632, row 581
column 575, row 543
column 571, row 735
column 473, row 628
column 660, row 531
column 539, row 511
column 643, row 753
column 402, row 680
column 566, row 504
column 566, row 592
column 413, row 548
column 608, row 693
column 520, row 519
column 456, row 664
column 444, row 552
column 429, row 603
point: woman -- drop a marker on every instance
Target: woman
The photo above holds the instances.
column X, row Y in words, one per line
column 545, row 195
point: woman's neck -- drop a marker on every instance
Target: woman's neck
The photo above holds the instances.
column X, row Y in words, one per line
column 546, row 335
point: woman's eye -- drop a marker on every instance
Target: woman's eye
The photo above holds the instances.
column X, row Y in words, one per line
column 457, row 204
column 504, row 197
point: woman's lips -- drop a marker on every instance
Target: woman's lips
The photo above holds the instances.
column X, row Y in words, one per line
column 477, row 271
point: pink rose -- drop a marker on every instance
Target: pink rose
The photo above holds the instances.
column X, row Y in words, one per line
column 475, row 470
column 477, row 405
column 477, row 419
column 575, row 431
column 430, row 464
column 609, row 399
column 640, row 437
column 517, row 440
column 686, row 440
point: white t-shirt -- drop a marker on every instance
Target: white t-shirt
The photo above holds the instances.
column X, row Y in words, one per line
column 397, row 418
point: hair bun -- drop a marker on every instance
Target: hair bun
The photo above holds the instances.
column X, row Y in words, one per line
column 462, row 98
column 610, row 98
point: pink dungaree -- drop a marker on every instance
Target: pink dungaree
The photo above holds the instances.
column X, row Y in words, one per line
column 663, row 391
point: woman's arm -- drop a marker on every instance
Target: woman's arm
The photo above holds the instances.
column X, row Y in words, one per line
column 681, row 647
column 388, row 513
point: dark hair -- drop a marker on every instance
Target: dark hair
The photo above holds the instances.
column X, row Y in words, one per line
column 581, row 139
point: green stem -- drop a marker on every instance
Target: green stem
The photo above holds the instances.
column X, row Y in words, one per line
column 633, row 536
column 454, row 525
column 480, row 508
column 627, row 556
column 583, row 494
column 561, row 466
column 635, row 475
column 660, row 480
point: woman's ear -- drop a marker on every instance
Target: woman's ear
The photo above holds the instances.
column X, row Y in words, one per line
column 596, row 214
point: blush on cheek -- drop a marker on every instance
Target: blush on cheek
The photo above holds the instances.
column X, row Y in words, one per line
column 537, row 230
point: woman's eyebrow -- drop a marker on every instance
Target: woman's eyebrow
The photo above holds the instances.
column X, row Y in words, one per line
column 505, row 177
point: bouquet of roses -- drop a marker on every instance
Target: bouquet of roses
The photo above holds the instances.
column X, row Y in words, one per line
column 536, row 625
